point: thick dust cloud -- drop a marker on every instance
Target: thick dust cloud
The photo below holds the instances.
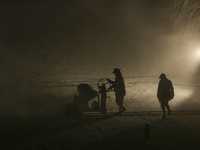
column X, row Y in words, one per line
column 49, row 47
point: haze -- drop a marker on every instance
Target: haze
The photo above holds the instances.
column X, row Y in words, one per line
column 48, row 47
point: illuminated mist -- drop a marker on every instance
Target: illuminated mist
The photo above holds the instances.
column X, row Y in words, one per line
column 49, row 47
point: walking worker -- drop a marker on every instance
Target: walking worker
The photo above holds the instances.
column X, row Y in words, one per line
column 119, row 88
column 165, row 93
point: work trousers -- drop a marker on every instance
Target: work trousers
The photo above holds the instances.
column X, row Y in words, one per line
column 119, row 100
column 163, row 105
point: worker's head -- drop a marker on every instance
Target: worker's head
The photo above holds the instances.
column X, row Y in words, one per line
column 162, row 76
column 116, row 71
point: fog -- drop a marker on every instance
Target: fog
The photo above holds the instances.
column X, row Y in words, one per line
column 48, row 47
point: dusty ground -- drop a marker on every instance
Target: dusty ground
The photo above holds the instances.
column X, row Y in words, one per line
column 179, row 131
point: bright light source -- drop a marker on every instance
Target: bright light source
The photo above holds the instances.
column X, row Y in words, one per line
column 198, row 52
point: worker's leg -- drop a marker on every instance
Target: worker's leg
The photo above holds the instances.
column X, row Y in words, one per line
column 119, row 101
column 163, row 109
column 168, row 108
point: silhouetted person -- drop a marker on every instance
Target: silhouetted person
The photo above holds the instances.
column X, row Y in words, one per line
column 165, row 93
column 119, row 88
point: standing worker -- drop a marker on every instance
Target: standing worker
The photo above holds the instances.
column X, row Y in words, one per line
column 119, row 88
column 165, row 93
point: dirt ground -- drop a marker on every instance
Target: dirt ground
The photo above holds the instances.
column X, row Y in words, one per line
column 179, row 131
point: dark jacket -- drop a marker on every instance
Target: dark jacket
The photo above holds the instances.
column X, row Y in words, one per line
column 118, row 85
column 165, row 90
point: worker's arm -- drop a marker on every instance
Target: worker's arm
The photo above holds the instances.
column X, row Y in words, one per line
column 112, row 84
column 110, row 81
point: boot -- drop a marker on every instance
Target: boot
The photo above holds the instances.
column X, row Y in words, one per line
column 119, row 113
column 124, row 109
column 163, row 117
